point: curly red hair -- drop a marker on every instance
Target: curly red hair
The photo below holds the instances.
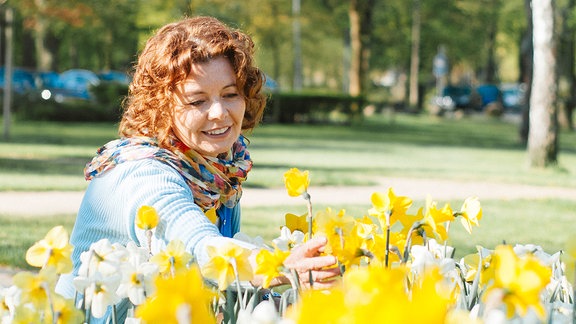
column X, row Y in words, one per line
column 167, row 59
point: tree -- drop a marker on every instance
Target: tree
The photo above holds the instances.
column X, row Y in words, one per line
column 543, row 133
column 566, row 61
column 415, row 55
column 360, row 15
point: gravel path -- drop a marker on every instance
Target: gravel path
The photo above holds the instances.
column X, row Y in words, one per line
column 24, row 204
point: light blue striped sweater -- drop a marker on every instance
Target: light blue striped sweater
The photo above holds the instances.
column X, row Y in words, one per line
column 110, row 205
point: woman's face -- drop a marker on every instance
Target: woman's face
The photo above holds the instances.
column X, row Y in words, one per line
column 208, row 118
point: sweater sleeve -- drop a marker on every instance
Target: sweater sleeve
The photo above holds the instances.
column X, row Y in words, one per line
column 111, row 203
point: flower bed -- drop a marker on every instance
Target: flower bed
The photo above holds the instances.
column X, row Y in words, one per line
column 395, row 268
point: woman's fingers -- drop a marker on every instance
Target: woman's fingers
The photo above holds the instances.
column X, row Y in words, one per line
column 309, row 249
column 321, row 279
column 314, row 263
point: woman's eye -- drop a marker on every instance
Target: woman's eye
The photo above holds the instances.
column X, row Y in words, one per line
column 231, row 95
column 196, row 103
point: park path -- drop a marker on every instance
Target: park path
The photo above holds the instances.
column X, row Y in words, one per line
column 23, row 204
column 65, row 202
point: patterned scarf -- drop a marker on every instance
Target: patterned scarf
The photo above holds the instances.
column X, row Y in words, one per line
column 213, row 180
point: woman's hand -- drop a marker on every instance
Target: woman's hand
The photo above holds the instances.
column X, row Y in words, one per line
column 306, row 258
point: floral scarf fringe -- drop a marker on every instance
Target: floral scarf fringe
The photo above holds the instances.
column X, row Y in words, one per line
column 213, row 180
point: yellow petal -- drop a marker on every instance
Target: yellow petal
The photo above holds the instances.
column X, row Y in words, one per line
column 211, row 215
column 297, row 223
column 57, row 237
column 296, row 182
column 147, row 218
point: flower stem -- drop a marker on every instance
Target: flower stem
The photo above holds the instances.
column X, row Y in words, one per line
column 387, row 253
column 149, row 241
column 309, row 206
column 238, row 288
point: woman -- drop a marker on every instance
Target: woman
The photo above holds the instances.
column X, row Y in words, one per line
column 195, row 90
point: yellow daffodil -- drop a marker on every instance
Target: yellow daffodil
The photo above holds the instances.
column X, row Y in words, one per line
column 270, row 264
column 65, row 312
column 365, row 228
column 389, row 207
column 147, row 218
column 173, row 258
column 335, row 226
column 211, row 215
column 378, row 247
column 570, row 258
column 519, row 280
column 296, row 182
column 436, row 218
column 297, row 223
column 352, row 250
column 473, row 265
column 376, row 295
column 36, row 287
column 226, row 262
column 53, row 250
column 179, row 299
column 27, row 315
column 471, row 213
column 430, row 297
column 319, row 306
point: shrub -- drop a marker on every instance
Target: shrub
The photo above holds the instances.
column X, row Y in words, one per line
column 290, row 108
column 106, row 105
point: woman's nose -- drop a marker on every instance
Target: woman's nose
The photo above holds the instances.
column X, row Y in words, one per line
column 217, row 110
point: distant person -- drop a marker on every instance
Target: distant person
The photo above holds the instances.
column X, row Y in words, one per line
column 181, row 150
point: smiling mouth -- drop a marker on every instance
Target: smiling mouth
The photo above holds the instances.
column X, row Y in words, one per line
column 218, row 131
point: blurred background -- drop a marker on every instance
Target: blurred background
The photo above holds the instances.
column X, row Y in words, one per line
column 437, row 55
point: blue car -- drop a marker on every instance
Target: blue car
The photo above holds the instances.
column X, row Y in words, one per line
column 22, row 80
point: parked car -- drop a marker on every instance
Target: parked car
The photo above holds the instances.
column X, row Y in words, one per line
column 453, row 98
column 513, row 96
column 22, row 80
column 70, row 85
column 114, row 76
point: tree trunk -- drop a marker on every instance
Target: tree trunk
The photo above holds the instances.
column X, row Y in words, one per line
column 43, row 54
column 492, row 25
column 415, row 56
column 566, row 76
column 526, row 71
column 543, row 134
column 360, row 15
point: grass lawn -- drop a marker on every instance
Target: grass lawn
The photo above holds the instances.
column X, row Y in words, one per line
column 51, row 156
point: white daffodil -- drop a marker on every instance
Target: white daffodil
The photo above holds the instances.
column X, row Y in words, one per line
column 263, row 313
column 99, row 291
column 424, row 257
column 9, row 299
column 136, row 255
column 137, row 281
column 103, row 257
column 440, row 251
column 288, row 240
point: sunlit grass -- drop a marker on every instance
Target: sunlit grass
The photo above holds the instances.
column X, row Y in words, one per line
column 475, row 148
